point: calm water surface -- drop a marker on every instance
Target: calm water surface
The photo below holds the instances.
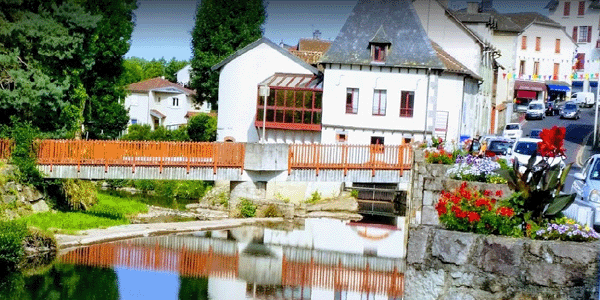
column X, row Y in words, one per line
column 323, row 259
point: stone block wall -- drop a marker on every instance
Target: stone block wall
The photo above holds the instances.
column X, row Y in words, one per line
column 444, row 264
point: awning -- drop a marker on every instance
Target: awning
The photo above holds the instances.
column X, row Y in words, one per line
column 526, row 94
column 156, row 113
column 558, row 86
column 530, row 86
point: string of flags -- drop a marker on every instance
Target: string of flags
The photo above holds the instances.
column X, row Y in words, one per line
column 586, row 76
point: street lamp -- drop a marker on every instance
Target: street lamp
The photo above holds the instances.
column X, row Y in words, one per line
column 264, row 91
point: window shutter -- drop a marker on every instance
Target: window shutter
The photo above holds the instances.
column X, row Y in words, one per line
column 589, row 34
column 575, row 34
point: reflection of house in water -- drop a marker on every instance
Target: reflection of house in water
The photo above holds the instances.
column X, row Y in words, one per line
column 269, row 263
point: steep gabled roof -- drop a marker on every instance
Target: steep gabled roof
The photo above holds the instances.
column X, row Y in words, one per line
column 502, row 22
column 313, row 45
column 267, row 42
column 525, row 19
column 158, row 84
column 410, row 46
column 452, row 64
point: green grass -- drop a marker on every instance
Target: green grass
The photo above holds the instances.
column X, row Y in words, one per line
column 109, row 211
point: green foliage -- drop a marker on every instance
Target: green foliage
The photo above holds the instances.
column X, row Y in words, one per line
column 440, row 157
column 271, row 211
column 137, row 69
column 314, row 198
column 223, row 199
column 354, row 193
column 12, row 234
column 247, row 208
column 23, row 155
column 137, row 132
column 281, row 198
column 116, row 207
column 80, row 194
column 221, row 29
column 202, row 128
column 70, row 222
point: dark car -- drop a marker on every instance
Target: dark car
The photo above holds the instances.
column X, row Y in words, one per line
column 535, row 133
column 570, row 111
column 551, row 109
column 498, row 147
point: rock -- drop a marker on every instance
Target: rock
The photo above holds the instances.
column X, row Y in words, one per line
column 40, row 206
column 417, row 242
column 342, row 204
column 500, row 255
column 6, row 199
column 462, row 279
column 555, row 275
column 423, row 285
column 456, row 295
column 575, row 252
column 452, row 247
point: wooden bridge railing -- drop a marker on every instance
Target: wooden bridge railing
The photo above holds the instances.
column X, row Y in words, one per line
column 6, row 146
column 350, row 157
column 141, row 153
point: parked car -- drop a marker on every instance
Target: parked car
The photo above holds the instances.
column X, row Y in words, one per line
column 498, row 146
column 535, row 110
column 512, row 131
column 586, row 186
column 584, row 99
column 535, row 133
column 522, row 150
column 551, row 109
column 570, row 110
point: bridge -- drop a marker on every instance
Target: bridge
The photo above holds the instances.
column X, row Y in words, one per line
column 85, row 159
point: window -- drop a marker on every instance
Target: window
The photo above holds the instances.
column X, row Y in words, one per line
column 536, row 68
column 521, row 68
column 556, row 69
column 557, row 46
column 351, row 101
column 341, row 137
column 377, row 144
column 584, row 34
column 581, row 10
column 407, row 103
column 379, row 102
column 175, row 101
column 524, row 42
column 133, row 121
column 567, row 9
column 407, row 140
column 538, row 43
column 379, row 52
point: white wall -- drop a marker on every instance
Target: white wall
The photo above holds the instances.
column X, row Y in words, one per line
column 183, row 75
column 140, row 104
column 137, row 104
column 450, row 96
column 238, row 90
column 364, row 124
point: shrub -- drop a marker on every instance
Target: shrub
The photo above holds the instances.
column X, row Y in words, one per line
column 281, row 198
column 137, row 132
column 314, row 197
column 80, row 194
column 271, row 211
column 247, row 208
column 467, row 209
column 12, row 234
column 570, row 231
column 440, row 156
column 23, row 155
column 471, row 168
column 354, row 193
column 202, row 128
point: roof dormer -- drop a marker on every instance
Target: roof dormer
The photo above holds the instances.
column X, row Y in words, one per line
column 380, row 46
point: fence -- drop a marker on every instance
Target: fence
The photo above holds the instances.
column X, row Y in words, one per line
column 6, row 147
column 141, row 153
column 350, row 157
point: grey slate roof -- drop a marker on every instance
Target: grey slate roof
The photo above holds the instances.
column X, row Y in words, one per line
column 524, row 19
column 410, row 46
column 272, row 45
column 552, row 5
column 380, row 36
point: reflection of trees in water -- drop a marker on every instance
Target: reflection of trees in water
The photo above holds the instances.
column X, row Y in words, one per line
column 191, row 288
column 63, row 282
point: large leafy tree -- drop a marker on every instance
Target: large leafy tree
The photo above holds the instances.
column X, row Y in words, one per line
column 137, row 69
column 221, row 28
column 60, row 62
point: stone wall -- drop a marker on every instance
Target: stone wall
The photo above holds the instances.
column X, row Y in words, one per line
column 16, row 199
column 445, row 264
column 429, row 180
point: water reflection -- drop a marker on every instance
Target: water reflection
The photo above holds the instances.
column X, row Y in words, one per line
column 326, row 259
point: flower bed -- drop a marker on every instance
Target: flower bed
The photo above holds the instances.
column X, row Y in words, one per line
column 471, row 168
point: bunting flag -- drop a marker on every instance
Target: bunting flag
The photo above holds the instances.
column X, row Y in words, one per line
column 503, row 75
column 529, row 77
column 587, row 76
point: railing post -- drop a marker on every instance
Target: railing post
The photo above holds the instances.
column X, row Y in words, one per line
column 215, row 155
column 345, row 159
column 290, row 155
column 105, row 159
column 243, row 155
column 78, row 149
column 317, row 157
column 188, row 148
column 401, row 158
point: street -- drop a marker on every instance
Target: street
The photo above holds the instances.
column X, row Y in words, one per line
column 578, row 134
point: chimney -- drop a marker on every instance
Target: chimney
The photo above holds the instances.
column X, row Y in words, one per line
column 486, row 5
column 316, row 35
column 472, row 7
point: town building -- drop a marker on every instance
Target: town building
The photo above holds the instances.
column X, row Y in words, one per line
column 183, row 78
column 580, row 19
column 159, row 102
column 311, row 50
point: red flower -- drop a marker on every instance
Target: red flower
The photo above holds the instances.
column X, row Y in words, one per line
column 552, row 142
column 482, row 202
column 487, row 193
column 505, row 211
column 459, row 212
column 441, row 208
column 463, row 185
column 473, row 216
column 499, row 193
column 455, row 199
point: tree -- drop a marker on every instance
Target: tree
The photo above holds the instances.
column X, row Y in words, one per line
column 173, row 67
column 202, row 128
column 221, row 28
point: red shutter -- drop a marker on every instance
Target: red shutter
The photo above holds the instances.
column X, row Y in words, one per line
column 589, row 34
column 575, row 34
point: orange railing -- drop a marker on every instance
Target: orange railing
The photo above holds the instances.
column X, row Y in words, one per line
column 141, row 153
column 350, row 157
column 6, row 146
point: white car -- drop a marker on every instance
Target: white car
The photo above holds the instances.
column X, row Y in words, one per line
column 522, row 150
column 587, row 186
column 512, row 131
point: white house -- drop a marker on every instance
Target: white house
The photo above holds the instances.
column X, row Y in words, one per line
column 159, row 102
column 183, row 78
column 580, row 19
column 384, row 83
column 293, row 110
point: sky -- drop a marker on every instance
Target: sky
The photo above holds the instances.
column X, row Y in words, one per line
column 163, row 28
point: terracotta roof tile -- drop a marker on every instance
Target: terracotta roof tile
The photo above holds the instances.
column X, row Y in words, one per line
column 313, row 45
column 157, row 83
